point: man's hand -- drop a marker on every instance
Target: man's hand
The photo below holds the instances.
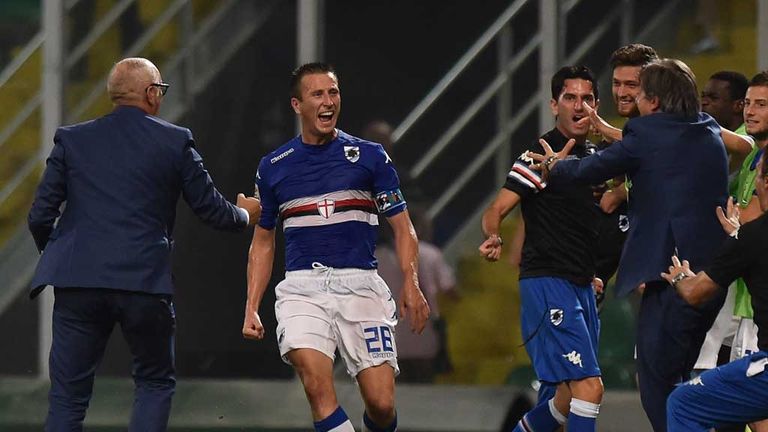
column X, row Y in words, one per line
column 602, row 127
column 612, row 199
column 491, row 248
column 676, row 268
column 677, row 273
column 548, row 160
column 597, row 285
column 730, row 219
column 252, row 206
column 252, row 327
column 414, row 307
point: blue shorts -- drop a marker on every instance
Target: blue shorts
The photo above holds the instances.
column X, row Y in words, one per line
column 561, row 328
column 733, row 393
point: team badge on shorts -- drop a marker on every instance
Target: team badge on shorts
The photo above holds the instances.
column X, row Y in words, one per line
column 623, row 223
column 352, row 153
column 556, row 316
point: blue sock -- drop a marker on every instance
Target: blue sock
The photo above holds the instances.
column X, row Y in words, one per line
column 337, row 421
column 369, row 425
column 540, row 419
column 583, row 416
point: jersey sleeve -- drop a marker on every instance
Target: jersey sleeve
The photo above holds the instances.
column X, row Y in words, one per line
column 386, row 185
column 735, row 258
column 263, row 191
column 522, row 179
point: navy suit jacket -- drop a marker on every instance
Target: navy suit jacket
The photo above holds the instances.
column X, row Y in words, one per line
column 679, row 174
column 120, row 177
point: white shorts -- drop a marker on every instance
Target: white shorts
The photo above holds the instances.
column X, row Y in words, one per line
column 721, row 333
column 328, row 308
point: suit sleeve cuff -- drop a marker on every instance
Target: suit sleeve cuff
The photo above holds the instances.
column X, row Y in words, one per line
column 244, row 213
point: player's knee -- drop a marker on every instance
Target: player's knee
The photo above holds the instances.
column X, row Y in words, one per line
column 380, row 408
column 588, row 389
column 681, row 416
column 674, row 402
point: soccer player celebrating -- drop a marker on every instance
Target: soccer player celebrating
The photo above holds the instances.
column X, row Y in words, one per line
column 327, row 188
column 559, row 315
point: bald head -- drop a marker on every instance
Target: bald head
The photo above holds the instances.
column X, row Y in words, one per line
column 129, row 79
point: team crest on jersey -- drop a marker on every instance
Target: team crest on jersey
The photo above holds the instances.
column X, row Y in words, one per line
column 352, row 153
column 556, row 316
column 326, row 207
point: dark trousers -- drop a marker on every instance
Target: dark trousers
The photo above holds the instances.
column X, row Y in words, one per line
column 669, row 336
column 83, row 319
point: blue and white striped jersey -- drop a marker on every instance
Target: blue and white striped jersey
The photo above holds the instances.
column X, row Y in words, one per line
column 328, row 198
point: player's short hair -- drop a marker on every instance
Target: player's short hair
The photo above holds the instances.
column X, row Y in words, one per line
column 761, row 79
column 737, row 83
column 572, row 72
column 673, row 82
column 633, row 55
column 308, row 69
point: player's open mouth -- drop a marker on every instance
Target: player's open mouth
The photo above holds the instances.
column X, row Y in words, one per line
column 576, row 118
column 325, row 116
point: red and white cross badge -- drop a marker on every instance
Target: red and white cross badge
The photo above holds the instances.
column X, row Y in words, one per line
column 326, row 207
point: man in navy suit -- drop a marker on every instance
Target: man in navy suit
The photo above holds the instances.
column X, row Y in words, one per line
column 109, row 255
column 677, row 164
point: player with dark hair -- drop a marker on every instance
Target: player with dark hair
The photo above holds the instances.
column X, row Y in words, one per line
column 676, row 161
column 723, row 99
column 328, row 188
column 559, row 316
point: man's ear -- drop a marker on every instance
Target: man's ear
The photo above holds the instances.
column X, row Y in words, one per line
column 738, row 106
column 655, row 103
column 553, row 106
column 295, row 105
column 152, row 100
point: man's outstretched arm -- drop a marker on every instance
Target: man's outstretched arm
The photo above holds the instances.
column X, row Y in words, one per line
column 413, row 305
column 738, row 146
column 694, row 288
column 608, row 132
column 260, row 258
column 505, row 201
